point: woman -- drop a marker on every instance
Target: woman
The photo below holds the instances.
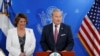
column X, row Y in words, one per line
column 20, row 40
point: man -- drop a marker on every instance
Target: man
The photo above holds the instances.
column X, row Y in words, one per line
column 56, row 36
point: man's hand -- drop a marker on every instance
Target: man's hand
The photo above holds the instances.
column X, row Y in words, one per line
column 48, row 51
column 64, row 51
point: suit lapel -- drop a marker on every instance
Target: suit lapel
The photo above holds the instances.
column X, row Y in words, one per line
column 51, row 33
column 60, row 32
column 17, row 38
column 26, row 38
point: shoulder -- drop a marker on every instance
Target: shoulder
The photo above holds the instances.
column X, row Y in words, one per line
column 12, row 29
column 65, row 26
column 48, row 26
column 29, row 30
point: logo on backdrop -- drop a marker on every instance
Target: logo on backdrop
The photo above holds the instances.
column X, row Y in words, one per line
column 45, row 17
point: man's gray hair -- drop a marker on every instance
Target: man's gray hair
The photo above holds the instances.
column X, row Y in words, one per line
column 56, row 9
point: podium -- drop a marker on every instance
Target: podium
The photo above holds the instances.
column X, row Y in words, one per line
column 47, row 53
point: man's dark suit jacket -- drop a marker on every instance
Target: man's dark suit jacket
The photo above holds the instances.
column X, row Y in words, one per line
column 64, row 41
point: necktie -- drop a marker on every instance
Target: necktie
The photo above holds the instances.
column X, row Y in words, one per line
column 55, row 34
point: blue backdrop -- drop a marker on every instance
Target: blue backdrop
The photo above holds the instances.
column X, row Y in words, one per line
column 38, row 12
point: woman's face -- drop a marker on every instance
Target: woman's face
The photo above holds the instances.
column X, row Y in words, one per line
column 22, row 23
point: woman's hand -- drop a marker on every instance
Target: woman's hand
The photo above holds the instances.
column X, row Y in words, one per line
column 22, row 54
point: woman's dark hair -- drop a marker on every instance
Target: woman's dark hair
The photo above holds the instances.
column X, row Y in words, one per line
column 18, row 17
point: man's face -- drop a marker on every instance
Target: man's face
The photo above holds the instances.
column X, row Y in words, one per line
column 57, row 17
